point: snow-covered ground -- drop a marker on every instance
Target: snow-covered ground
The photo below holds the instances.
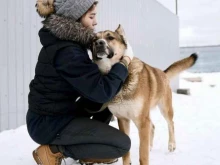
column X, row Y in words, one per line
column 197, row 128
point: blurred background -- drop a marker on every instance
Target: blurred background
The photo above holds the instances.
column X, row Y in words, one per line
column 199, row 31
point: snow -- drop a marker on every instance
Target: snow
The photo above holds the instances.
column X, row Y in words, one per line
column 196, row 127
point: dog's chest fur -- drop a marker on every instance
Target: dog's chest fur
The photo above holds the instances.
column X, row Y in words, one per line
column 104, row 65
column 129, row 109
column 126, row 104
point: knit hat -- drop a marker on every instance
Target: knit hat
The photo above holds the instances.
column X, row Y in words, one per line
column 72, row 8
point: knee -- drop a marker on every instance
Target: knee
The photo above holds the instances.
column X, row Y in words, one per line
column 125, row 146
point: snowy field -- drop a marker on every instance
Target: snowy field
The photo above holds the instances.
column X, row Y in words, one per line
column 197, row 128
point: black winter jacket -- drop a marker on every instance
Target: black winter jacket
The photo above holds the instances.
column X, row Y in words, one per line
column 64, row 73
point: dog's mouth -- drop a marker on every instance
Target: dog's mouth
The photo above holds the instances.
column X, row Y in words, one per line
column 103, row 50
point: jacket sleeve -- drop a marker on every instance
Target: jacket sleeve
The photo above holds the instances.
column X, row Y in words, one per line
column 105, row 116
column 84, row 76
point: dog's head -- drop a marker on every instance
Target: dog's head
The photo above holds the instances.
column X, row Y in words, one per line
column 109, row 44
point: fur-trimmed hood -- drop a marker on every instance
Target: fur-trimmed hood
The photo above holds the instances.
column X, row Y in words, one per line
column 67, row 29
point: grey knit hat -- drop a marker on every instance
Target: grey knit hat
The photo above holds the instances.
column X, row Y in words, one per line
column 72, row 8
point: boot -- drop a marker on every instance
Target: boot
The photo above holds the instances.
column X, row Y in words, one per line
column 93, row 161
column 43, row 156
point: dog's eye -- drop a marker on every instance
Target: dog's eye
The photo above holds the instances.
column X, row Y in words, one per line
column 111, row 38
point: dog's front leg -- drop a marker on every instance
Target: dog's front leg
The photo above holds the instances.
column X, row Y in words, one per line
column 124, row 126
column 143, row 125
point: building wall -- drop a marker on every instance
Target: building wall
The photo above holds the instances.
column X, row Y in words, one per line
column 151, row 29
column 19, row 45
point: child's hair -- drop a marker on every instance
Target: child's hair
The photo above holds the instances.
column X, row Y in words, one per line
column 94, row 4
column 91, row 8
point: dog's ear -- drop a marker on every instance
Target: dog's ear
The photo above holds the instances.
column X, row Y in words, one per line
column 120, row 30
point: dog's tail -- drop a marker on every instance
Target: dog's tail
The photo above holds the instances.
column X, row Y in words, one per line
column 181, row 65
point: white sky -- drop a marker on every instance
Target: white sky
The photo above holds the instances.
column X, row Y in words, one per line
column 199, row 21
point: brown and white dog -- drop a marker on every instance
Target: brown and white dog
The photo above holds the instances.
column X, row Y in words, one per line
column 144, row 88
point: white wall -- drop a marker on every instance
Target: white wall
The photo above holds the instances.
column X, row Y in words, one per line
column 151, row 29
column 19, row 45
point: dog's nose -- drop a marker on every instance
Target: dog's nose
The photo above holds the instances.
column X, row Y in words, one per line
column 100, row 43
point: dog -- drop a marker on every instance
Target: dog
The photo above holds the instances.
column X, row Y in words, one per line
column 144, row 88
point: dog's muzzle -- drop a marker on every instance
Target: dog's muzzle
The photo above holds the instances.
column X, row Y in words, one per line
column 103, row 50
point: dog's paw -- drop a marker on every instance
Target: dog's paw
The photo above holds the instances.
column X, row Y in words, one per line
column 172, row 147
